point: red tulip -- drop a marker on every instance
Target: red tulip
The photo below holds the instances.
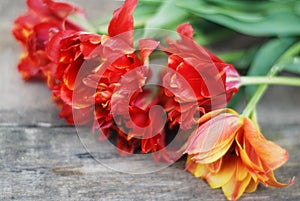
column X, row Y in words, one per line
column 73, row 58
column 196, row 79
column 43, row 19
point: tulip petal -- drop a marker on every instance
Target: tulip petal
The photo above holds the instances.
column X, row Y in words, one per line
column 185, row 30
column 214, row 154
column 248, row 154
column 273, row 182
column 238, row 183
column 63, row 10
column 197, row 169
column 213, row 139
column 241, row 172
column 271, row 154
column 215, row 167
column 233, row 190
column 214, row 113
column 252, row 186
column 219, row 179
column 147, row 46
column 122, row 20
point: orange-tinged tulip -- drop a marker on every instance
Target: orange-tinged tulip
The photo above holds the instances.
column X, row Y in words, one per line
column 229, row 151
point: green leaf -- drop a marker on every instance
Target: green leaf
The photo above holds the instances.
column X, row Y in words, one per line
column 241, row 59
column 153, row 2
column 266, row 57
column 208, row 35
column 168, row 16
column 293, row 66
column 143, row 12
column 268, row 54
column 262, row 18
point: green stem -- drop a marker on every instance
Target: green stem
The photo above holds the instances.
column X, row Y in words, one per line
column 255, row 80
column 255, row 99
column 280, row 64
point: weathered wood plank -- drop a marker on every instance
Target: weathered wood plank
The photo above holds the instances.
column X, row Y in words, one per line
column 52, row 164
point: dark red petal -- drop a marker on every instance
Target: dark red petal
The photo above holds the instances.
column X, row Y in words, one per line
column 62, row 9
column 70, row 73
column 30, row 69
column 122, row 20
column 66, row 95
column 185, row 30
column 43, row 32
column 38, row 7
column 139, row 117
column 22, row 29
column 53, row 46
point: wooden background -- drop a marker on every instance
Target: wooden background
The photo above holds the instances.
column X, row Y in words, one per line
column 41, row 158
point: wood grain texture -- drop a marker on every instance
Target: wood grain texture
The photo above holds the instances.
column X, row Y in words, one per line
column 41, row 158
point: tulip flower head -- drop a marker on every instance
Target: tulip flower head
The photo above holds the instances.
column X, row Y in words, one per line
column 33, row 29
column 229, row 151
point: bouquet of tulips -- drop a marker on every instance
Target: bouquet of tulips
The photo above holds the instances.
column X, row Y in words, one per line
column 103, row 78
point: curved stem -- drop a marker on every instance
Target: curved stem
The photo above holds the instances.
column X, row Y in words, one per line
column 254, row 100
column 281, row 63
column 265, row 81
